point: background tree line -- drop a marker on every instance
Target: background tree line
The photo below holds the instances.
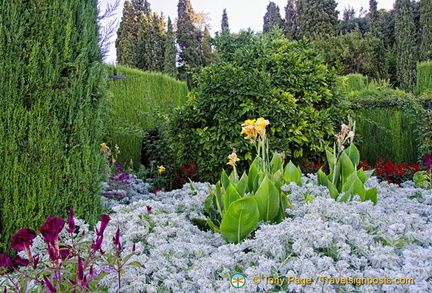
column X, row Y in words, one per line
column 384, row 44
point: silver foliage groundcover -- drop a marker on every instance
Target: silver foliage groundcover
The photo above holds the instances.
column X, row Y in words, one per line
column 361, row 246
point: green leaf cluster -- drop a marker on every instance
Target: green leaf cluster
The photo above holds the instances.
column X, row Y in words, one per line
column 344, row 181
column 237, row 204
column 258, row 76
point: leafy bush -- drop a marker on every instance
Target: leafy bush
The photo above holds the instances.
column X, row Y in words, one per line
column 136, row 105
column 270, row 77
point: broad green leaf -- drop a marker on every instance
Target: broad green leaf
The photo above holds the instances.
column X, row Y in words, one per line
column 212, row 225
column 253, row 172
column 231, row 195
column 225, row 180
column 334, row 193
column 346, row 166
column 331, row 159
column 233, row 177
column 218, row 199
column 345, row 197
column 241, row 218
column 322, row 178
column 362, row 176
column 354, row 186
column 353, row 153
column 292, row 174
column 242, row 185
column 276, row 163
column 267, row 198
column 371, row 194
column 208, row 202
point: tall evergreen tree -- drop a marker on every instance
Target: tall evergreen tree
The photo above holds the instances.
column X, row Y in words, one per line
column 290, row 24
column 52, row 96
column 426, row 27
column 143, row 46
column 207, row 51
column 170, row 55
column 376, row 32
column 158, row 39
column 225, row 24
column 272, row 18
column 405, row 44
column 316, row 18
column 189, row 42
column 126, row 36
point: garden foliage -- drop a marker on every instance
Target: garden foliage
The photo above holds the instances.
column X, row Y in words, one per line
column 258, row 76
column 390, row 125
column 52, row 92
column 424, row 76
column 133, row 107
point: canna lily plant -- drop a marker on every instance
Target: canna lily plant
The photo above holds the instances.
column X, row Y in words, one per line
column 238, row 203
column 344, row 180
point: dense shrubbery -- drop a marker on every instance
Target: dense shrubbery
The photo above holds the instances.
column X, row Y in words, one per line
column 51, row 88
column 424, row 76
column 270, row 77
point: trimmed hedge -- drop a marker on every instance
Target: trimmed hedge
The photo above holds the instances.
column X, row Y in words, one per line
column 390, row 125
column 135, row 104
column 52, row 90
column 424, row 76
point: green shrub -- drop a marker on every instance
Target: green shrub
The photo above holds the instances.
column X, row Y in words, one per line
column 135, row 105
column 424, row 76
column 389, row 125
column 268, row 76
column 52, row 93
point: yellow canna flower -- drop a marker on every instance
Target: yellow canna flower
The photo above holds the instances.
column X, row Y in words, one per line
column 248, row 128
column 233, row 158
column 161, row 169
column 261, row 124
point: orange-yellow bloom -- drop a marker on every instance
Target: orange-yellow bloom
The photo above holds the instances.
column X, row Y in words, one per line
column 233, row 159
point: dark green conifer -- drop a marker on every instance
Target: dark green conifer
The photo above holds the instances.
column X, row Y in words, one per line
column 225, row 24
column 317, row 18
column 127, row 36
column 52, row 93
column 290, row 24
column 426, row 28
column 272, row 18
column 406, row 47
column 170, row 67
column 189, row 42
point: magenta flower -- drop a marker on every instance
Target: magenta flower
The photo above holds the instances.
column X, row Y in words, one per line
column 80, row 270
column 20, row 260
column 149, row 209
column 71, row 222
column 51, row 229
column 116, row 240
column 156, row 191
column 104, row 223
column 49, row 285
column 23, row 239
column 427, row 161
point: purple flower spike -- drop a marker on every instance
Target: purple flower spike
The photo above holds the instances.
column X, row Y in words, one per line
column 134, row 247
column 8, row 261
column 96, row 246
column 49, row 285
column 80, row 270
column 20, row 260
column 149, row 209
column 427, row 161
column 51, row 229
column 23, row 239
column 104, row 223
column 71, row 222
column 116, row 240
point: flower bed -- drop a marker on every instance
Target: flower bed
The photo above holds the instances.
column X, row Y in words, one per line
column 323, row 239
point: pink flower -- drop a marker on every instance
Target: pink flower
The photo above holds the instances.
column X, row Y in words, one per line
column 149, row 209
column 116, row 240
column 71, row 222
column 50, row 232
column 104, row 223
column 49, row 285
column 156, row 191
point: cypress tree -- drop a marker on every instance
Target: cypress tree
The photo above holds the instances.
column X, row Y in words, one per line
column 405, row 44
column 143, row 47
column 316, row 18
column 378, row 44
column 225, row 24
column 158, row 39
column 272, row 18
column 127, row 36
column 52, row 91
column 189, row 42
column 170, row 67
column 207, row 52
column 426, row 26
column 290, row 24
